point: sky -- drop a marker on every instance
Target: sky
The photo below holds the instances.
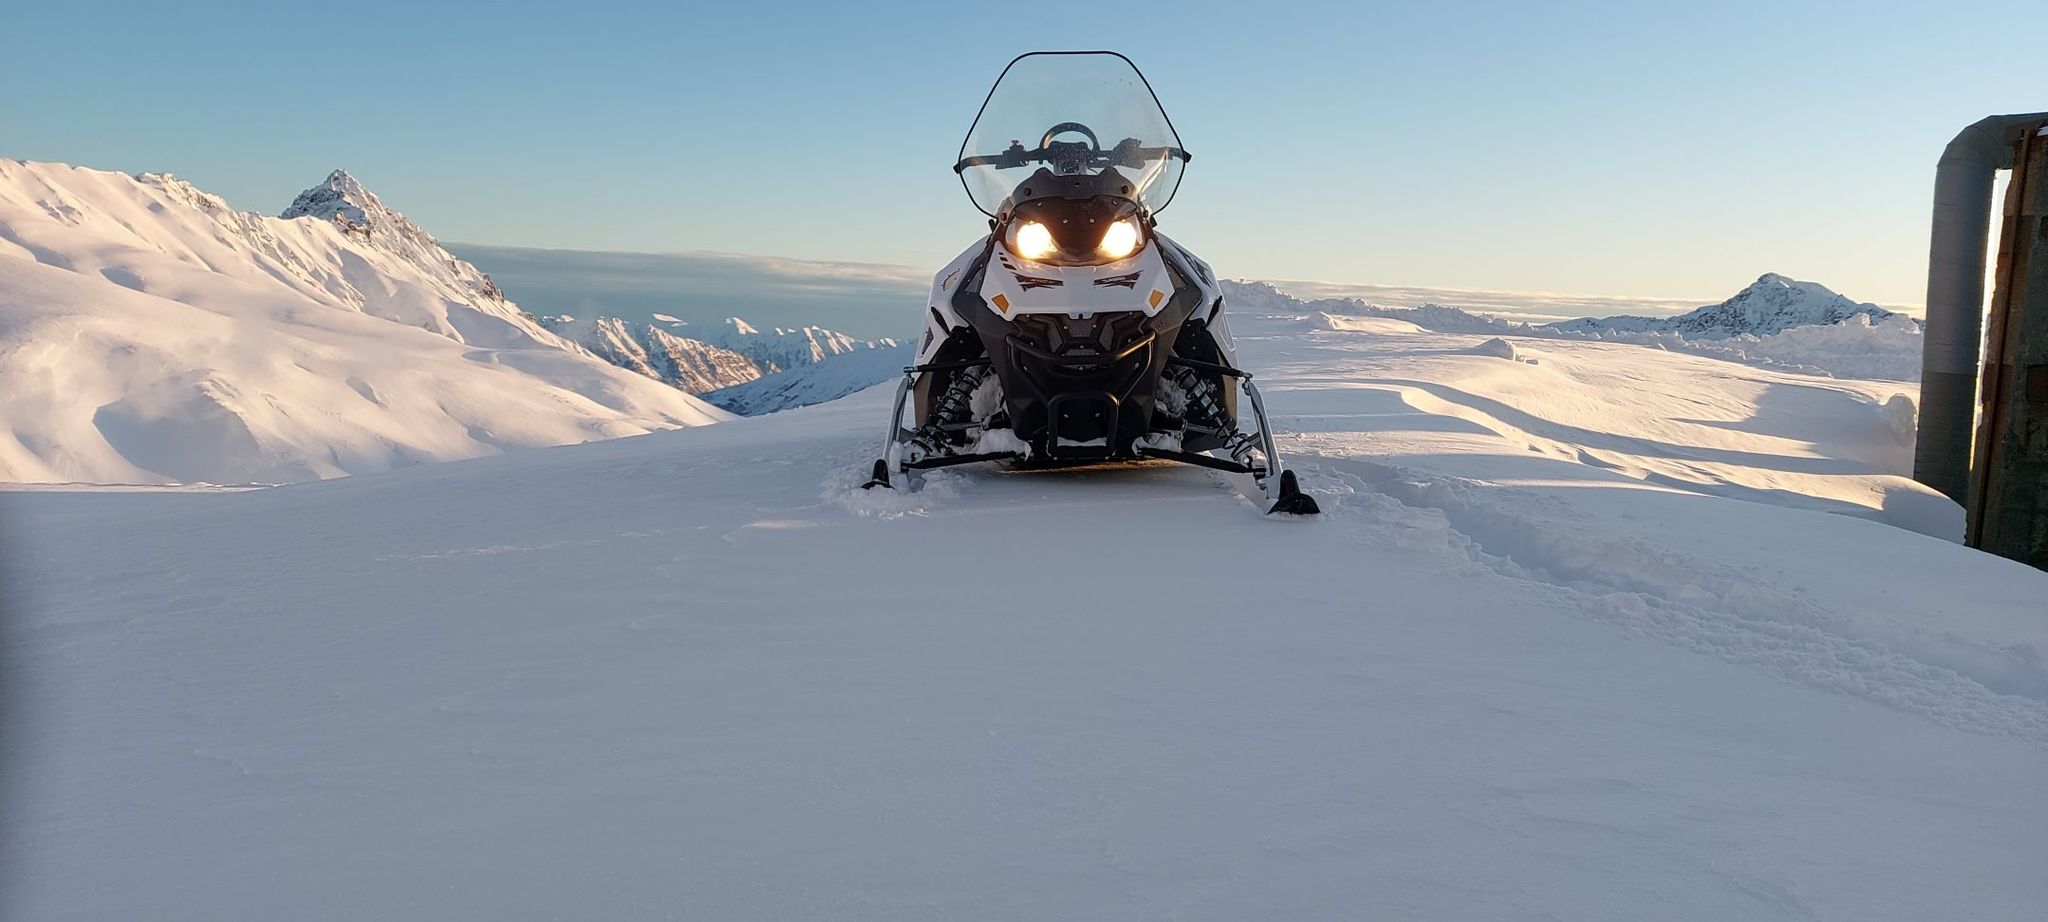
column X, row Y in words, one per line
column 1655, row 150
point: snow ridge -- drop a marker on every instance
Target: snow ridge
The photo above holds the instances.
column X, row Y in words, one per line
column 358, row 212
column 149, row 333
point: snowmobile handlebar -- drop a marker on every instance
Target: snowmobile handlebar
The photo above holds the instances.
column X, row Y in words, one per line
column 1127, row 153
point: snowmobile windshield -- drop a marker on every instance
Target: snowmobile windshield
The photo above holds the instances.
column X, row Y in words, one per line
column 1071, row 114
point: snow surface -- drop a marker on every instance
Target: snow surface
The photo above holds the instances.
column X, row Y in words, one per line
column 151, row 334
column 1623, row 634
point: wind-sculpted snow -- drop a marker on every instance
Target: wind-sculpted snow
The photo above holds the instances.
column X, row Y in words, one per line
column 1721, row 607
column 1599, row 631
column 149, row 333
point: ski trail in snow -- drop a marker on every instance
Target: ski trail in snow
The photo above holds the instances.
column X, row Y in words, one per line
column 843, row 488
column 1659, row 593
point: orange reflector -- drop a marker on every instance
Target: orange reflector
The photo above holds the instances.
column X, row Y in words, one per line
column 1002, row 304
column 1156, row 296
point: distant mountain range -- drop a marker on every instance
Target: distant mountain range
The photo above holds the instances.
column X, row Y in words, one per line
column 734, row 356
column 817, row 383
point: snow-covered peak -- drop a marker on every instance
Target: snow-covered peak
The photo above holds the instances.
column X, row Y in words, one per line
column 1772, row 304
column 344, row 200
column 351, row 206
column 739, row 327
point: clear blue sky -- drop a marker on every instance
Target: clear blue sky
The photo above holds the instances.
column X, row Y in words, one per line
column 1631, row 148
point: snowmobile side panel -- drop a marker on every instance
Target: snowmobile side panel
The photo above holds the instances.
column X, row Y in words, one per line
column 940, row 317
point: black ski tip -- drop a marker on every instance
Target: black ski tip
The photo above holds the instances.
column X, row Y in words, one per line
column 1292, row 501
column 880, row 478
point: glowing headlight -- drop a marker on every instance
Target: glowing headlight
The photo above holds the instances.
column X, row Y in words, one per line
column 1031, row 240
column 1119, row 240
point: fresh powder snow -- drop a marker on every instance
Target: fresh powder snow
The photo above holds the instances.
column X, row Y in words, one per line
column 1600, row 632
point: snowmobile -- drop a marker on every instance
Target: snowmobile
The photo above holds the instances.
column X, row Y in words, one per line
column 1075, row 332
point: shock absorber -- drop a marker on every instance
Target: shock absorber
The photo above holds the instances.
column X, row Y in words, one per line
column 949, row 414
column 1205, row 413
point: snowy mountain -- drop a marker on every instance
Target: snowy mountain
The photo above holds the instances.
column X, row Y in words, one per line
column 1597, row 632
column 359, row 213
column 831, row 379
column 648, row 349
column 736, row 359
column 1772, row 304
column 149, row 333
column 781, row 349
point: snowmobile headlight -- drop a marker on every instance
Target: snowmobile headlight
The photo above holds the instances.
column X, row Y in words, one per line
column 1120, row 239
column 1031, row 240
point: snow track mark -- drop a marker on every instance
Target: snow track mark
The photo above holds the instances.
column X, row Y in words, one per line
column 1709, row 608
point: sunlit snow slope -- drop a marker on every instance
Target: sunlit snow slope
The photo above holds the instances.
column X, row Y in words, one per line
column 1615, row 635
column 151, row 334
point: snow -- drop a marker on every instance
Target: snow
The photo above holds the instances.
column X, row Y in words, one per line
column 1622, row 634
column 151, row 334
column 786, row 348
column 1771, row 304
column 747, row 371
column 1498, row 348
column 1808, row 329
column 643, row 348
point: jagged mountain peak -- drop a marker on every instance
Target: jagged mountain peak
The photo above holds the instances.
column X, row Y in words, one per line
column 344, row 199
column 348, row 204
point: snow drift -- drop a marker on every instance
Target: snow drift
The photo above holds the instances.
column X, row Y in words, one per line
column 151, row 334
